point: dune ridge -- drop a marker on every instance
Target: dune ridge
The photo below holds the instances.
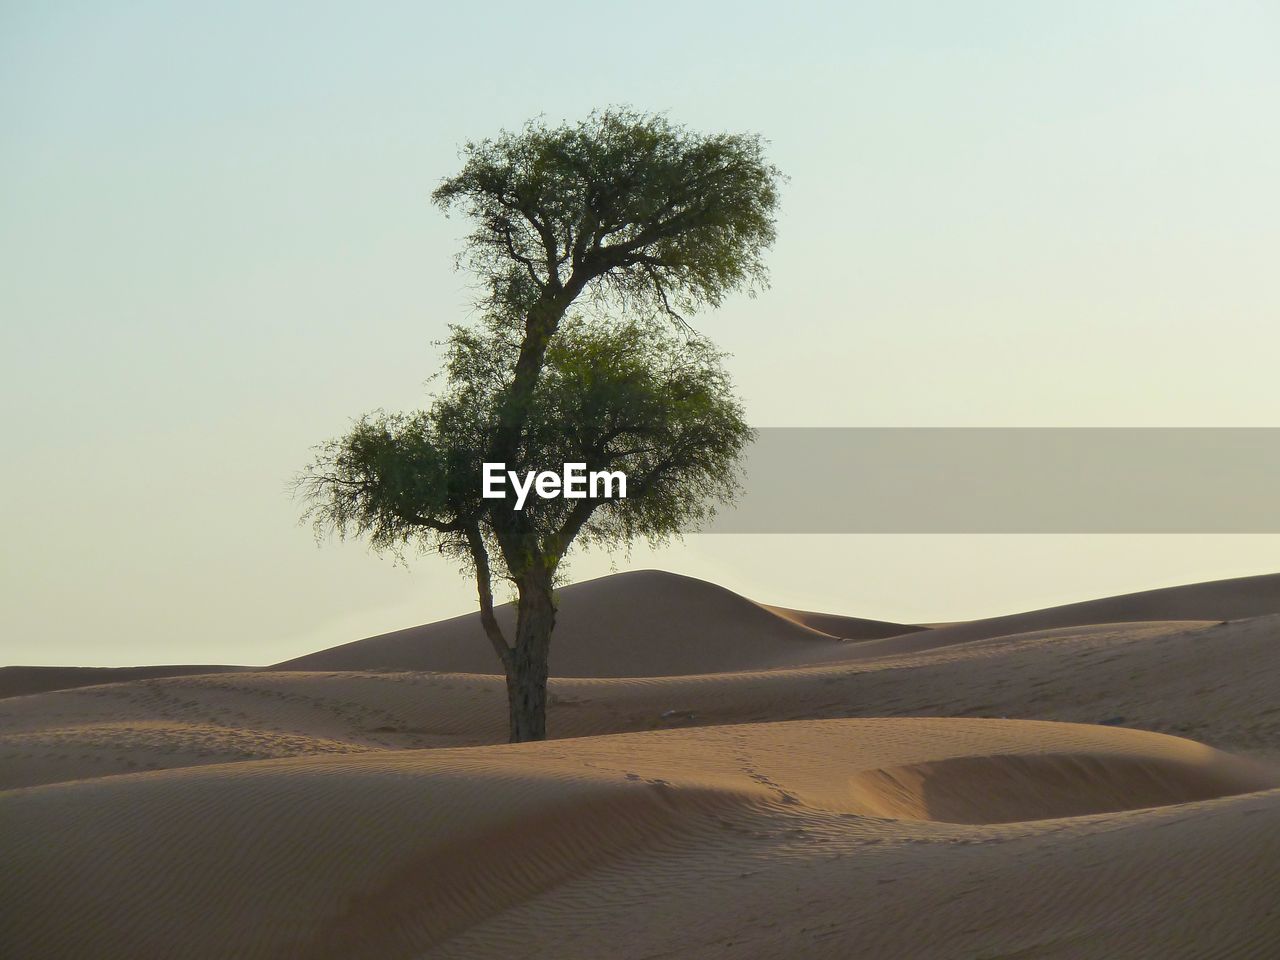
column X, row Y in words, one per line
column 23, row 681
column 640, row 623
column 1235, row 599
column 345, row 856
column 653, row 623
column 1033, row 786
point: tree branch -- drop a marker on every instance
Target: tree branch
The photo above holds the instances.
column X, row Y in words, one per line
column 484, row 588
column 656, row 279
column 559, row 541
column 509, row 243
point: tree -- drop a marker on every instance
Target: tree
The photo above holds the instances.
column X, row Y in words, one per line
column 592, row 242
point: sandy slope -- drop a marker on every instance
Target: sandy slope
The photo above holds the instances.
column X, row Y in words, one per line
column 1235, row 599
column 742, row 839
column 645, row 623
column 24, row 681
column 279, row 813
column 1216, row 683
column 650, row 623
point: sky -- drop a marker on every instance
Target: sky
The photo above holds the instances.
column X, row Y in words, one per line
column 217, row 247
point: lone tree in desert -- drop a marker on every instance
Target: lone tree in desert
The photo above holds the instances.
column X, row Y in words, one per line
column 592, row 242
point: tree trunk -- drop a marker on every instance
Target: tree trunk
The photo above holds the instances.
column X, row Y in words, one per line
column 527, row 662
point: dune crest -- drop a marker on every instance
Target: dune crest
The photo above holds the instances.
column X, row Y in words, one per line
column 644, row 623
column 740, row 781
column 1010, row 789
column 452, row 852
column 19, row 681
column 1218, row 600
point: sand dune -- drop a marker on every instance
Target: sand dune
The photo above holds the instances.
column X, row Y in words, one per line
column 846, row 628
column 1215, row 683
column 1217, row 600
column 741, row 838
column 650, row 623
column 315, row 813
column 645, row 623
column 24, row 681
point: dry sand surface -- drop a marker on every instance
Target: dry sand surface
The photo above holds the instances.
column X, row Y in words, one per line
column 729, row 780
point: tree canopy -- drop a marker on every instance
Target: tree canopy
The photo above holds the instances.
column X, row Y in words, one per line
column 634, row 395
column 629, row 208
column 591, row 242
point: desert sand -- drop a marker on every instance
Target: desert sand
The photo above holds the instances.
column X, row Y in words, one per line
column 726, row 779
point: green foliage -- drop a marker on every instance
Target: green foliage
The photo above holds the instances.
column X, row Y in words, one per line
column 633, row 395
column 636, row 219
column 392, row 481
column 588, row 238
column 631, row 210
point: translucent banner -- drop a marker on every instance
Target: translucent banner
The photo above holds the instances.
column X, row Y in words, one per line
column 1009, row 480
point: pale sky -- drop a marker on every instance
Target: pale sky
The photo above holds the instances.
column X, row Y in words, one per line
column 217, row 248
